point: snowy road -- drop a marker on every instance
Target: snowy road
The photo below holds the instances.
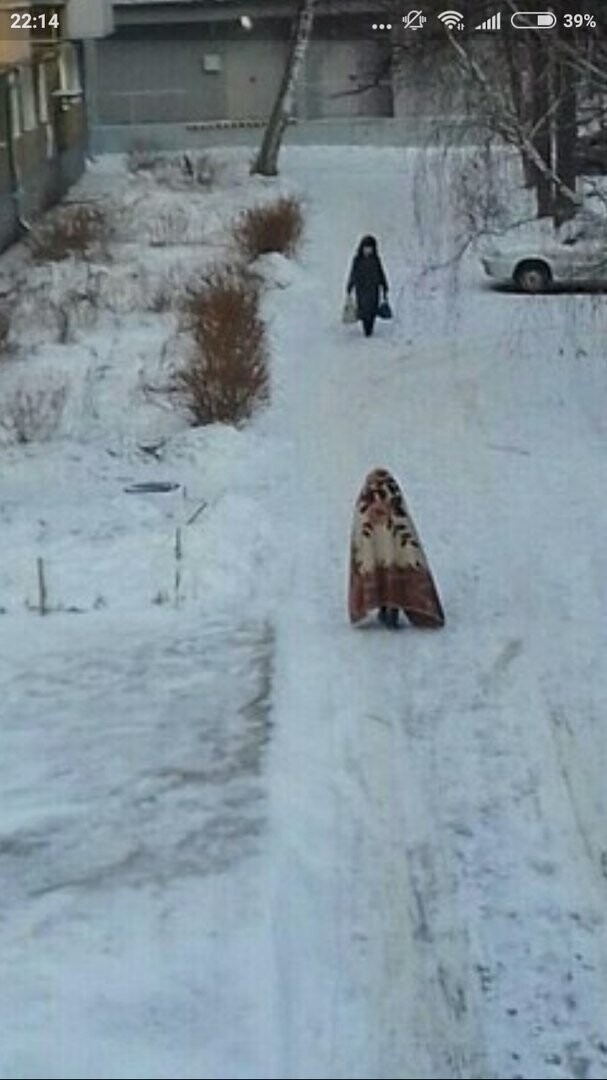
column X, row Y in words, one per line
column 308, row 851
column 441, row 877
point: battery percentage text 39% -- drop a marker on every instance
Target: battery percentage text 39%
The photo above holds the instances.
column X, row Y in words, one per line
column 577, row 21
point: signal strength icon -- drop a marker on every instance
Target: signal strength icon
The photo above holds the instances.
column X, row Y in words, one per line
column 494, row 23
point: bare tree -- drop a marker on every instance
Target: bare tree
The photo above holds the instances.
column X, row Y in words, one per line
column 530, row 90
column 540, row 134
column 545, row 131
column 266, row 161
column 565, row 132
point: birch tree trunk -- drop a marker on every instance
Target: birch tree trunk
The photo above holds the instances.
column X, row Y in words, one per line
column 542, row 100
column 266, row 161
column 518, row 62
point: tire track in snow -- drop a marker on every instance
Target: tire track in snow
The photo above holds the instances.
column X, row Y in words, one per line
column 368, row 945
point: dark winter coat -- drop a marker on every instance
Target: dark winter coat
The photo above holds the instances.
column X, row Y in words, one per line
column 367, row 277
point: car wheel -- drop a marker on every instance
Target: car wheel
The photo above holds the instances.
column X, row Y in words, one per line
column 533, row 277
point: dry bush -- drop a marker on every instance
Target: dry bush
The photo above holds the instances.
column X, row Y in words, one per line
column 276, row 226
column 226, row 375
column 79, row 306
column 159, row 225
column 79, row 310
column 202, row 169
column 170, row 225
column 162, row 292
column 5, row 331
column 174, row 170
column 74, row 231
column 141, row 158
column 161, row 300
column 29, row 416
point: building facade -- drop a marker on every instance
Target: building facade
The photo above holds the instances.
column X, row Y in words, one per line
column 174, row 63
column 178, row 73
column 43, row 128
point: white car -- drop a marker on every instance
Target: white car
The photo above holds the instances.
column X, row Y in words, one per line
column 576, row 253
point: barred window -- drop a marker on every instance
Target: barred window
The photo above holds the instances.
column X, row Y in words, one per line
column 43, row 110
column 69, row 75
column 15, row 105
column 28, row 98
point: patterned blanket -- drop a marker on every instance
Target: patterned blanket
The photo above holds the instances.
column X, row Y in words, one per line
column 388, row 567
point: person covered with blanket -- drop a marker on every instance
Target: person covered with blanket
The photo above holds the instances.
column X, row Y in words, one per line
column 367, row 280
column 389, row 571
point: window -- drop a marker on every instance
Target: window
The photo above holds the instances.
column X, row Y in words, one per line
column 28, row 98
column 15, row 105
column 69, row 75
column 43, row 113
column 4, row 113
column 212, row 62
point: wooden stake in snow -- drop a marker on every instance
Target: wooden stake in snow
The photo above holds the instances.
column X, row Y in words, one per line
column 178, row 559
column 266, row 162
column 42, row 596
column 196, row 513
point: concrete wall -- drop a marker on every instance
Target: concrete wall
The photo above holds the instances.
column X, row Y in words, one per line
column 356, row 131
column 159, row 74
column 168, row 77
column 337, row 71
column 151, row 83
column 86, row 20
column 163, row 81
column 44, row 180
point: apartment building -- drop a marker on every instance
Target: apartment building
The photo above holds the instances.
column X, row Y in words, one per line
column 43, row 126
column 173, row 63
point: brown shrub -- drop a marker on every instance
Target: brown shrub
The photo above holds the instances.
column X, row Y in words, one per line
column 29, row 416
column 142, row 158
column 227, row 374
column 73, row 231
column 160, row 301
column 170, row 225
column 276, row 226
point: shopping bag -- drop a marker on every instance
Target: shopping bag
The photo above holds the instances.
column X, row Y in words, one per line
column 384, row 310
column 349, row 314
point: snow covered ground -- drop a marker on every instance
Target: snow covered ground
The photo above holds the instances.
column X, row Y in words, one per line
column 239, row 839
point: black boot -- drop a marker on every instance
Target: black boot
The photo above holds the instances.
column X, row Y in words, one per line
column 392, row 619
column 383, row 615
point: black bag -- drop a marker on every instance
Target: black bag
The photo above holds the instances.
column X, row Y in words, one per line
column 384, row 310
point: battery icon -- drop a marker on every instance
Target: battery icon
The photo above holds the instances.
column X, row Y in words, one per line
column 533, row 20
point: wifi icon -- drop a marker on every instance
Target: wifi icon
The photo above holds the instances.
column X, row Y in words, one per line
column 453, row 20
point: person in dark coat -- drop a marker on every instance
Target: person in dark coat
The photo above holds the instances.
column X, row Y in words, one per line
column 367, row 279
